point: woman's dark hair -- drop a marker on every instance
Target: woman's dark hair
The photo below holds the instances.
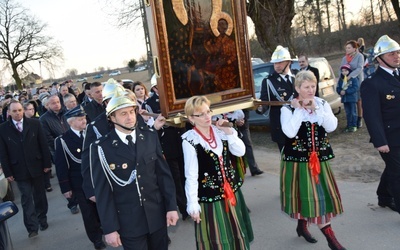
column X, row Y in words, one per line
column 128, row 85
column 353, row 44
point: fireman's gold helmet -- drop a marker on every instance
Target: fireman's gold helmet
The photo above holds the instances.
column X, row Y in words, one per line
column 119, row 101
column 385, row 45
column 110, row 88
column 280, row 54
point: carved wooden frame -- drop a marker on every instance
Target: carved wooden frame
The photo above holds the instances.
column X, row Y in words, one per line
column 158, row 11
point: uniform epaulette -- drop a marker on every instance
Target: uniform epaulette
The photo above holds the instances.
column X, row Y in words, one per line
column 58, row 137
column 273, row 75
column 101, row 139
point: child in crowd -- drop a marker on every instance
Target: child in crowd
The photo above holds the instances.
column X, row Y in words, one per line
column 348, row 89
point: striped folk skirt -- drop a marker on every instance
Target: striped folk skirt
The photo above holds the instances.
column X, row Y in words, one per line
column 303, row 198
column 221, row 230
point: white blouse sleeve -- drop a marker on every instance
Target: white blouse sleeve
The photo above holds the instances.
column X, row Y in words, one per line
column 326, row 118
column 291, row 121
column 192, row 175
column 235, row 144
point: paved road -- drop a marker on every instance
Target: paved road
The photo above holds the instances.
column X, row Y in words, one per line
column 363, row 226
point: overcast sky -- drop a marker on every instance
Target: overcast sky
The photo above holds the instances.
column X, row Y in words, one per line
column 87, row 36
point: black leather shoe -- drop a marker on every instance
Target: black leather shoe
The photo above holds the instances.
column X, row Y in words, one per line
column 389, row 204
column 49, row 189
column 33, row 234
column 44, row 226
column 74, row 210
column 169, row 240
column 257, row 172
column 100, row 245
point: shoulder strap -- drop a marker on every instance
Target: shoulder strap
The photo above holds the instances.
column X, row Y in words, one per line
column 66, row 150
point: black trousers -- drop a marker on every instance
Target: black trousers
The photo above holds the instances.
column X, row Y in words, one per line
column 246, row 138
column 155, row 241
column 90, row 216
column 34, row 202
column 176, row 166
column 389, row 186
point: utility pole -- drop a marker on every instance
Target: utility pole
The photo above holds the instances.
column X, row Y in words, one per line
column 40, row 68
column 147, row 38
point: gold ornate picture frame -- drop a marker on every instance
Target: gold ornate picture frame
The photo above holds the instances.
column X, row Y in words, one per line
column 200, row 47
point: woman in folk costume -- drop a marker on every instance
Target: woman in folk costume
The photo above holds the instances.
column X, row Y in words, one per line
column 308, row 188
column 214, row 199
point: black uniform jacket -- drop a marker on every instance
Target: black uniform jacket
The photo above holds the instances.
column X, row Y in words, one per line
column 119, row 207
column 23, row 155
column 93, row 109
column 380, row 93
column 285, row 91
column 68, row 171
column 94, row 130
column 170, row 137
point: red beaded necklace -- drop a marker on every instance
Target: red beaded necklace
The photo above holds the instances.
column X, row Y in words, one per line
column 211, row 141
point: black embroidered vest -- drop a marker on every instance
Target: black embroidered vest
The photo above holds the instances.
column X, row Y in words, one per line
column 299, row 148
column 210, row 178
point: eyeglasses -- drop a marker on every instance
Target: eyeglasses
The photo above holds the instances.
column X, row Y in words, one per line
column 202, row 115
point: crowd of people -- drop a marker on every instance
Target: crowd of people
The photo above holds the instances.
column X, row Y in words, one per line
column 128, row 173
column 80, row 137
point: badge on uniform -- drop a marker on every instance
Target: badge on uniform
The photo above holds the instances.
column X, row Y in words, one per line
column 284, row 94
column 78, row 150
column 141, row 136
column 390, row 97
column 112, row 166
column 124, row 166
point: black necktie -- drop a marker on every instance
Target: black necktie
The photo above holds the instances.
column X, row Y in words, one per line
column 396, row 75
column 288, row 79
column 81, row 134
column 130, row 142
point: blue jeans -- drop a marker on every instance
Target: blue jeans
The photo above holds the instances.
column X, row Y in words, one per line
column 351, row 113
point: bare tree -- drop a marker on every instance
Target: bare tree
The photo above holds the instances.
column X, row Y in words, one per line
column 396, row 7
column 272, row 21
column 327, row 3
column 71, row 73
column 128, row 16
column 22, row 39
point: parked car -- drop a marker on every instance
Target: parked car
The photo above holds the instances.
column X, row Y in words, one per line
column 84, row 79
column 98, row 76
column 327, row 85
column 141, row 68
column 115, row 73
column 255, row 61
column 7, row 210
column 127, row 81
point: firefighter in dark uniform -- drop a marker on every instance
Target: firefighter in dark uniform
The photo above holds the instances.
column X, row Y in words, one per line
column 380, row 93
column 68, row 149
column 94, row 130
column 277, row 87
column 134, row 189
column 169, row 136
